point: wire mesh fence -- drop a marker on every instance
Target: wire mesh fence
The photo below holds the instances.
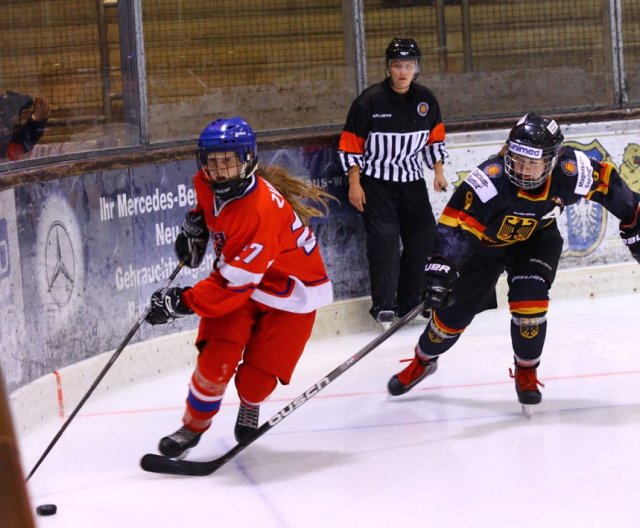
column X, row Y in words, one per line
column 280, row 63
column 631, row 49
column 292, row 64
column 493, row 58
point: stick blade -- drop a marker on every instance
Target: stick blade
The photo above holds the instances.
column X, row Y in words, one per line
column 172, row 466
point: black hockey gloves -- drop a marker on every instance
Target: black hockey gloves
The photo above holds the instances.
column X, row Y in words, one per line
column 439, row 276
column 191, row 242
column 630, row 234
column 166, row 305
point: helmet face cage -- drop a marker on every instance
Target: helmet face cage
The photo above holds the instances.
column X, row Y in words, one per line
column 403, row 49
column 229, row 135
column 535, row 138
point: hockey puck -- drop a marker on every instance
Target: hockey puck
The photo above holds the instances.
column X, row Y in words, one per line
column 47, row 509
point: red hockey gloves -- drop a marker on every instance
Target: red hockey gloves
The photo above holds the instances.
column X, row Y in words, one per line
column 630, row 234
column 439, row 276
column 166, row 305
column 191, row 242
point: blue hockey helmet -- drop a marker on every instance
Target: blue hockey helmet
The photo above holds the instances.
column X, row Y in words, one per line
column 230, row 135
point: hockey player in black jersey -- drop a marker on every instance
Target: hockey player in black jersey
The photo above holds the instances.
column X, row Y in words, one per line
column 392, row 130
column 503, row 217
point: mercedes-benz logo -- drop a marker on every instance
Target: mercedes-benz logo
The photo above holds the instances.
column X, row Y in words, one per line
column 60, row 264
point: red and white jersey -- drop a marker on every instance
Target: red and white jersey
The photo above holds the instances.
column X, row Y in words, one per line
column 263, row 251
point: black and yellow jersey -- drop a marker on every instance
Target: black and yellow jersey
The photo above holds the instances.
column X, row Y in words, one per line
column 488, row 210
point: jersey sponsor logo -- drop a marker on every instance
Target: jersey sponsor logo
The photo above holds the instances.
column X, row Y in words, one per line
column 482, row 185
column 299, row 401
column 569, row 167
column 423, row 108
column 493, row 170
column 516, row 228
column 523, row 150
column 585, row 173
column 585, row 220
column 522, row 213
column 381, row 116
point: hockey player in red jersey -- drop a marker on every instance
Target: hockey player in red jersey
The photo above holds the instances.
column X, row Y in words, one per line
column 503, row 217
column 258, row 306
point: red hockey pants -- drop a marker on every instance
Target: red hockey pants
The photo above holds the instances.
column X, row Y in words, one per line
column 260, row 344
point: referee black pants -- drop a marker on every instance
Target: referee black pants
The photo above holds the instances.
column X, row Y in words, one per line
column 397, row 213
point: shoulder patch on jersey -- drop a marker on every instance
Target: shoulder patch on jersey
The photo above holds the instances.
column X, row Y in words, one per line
column 423, row 108
column 569, row 167
column 493, row 170
column 482, row 185
column 585, row 173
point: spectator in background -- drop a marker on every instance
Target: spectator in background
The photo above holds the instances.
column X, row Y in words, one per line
column 392, row 129
column 17, row 137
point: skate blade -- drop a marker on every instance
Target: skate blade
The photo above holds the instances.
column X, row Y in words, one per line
column 527, row 410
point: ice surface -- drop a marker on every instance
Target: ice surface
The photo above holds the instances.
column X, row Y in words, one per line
column 454, row 452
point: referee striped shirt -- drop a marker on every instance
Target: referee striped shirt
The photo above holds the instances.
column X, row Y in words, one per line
column 392, row 136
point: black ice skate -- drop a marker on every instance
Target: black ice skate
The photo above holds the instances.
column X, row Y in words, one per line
column 383, row 315
column 526, row 381
column 247, row 421
column 385, row 318
column 413, row 374
column 177, row 445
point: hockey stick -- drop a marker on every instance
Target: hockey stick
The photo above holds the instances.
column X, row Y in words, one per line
column 104, row 371
column 173, row 466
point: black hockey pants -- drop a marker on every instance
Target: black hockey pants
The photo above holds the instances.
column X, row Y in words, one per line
column 397, row 212
column 531, row 268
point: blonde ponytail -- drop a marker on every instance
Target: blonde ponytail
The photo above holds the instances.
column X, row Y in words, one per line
column 297, row 192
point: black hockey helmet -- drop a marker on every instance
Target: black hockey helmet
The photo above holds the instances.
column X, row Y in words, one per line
column 403, row 49
column 537, row 138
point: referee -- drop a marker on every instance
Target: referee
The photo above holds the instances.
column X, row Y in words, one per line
column 393, row 129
